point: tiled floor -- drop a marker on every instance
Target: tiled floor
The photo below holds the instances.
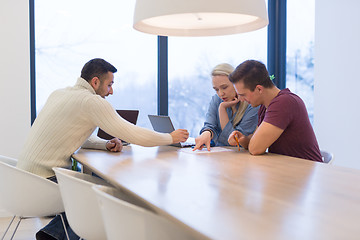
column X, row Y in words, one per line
column 26, row 230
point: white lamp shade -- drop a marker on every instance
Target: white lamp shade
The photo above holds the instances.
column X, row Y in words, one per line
column 199, row 17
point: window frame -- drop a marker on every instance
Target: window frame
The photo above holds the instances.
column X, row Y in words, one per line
column 32, row 60
column 276, row 61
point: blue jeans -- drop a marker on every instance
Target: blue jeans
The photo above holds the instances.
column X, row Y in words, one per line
column 55, row 230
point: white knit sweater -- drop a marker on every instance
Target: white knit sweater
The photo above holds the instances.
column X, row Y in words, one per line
column 67, row 120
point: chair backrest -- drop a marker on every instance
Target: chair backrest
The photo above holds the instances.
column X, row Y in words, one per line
column 123, row 220
column 27, row 195
column 328, row 157
column 81, row 206
column 8, row 160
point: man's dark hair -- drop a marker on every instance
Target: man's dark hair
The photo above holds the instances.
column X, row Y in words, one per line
column 96, row 67
column 251, row 73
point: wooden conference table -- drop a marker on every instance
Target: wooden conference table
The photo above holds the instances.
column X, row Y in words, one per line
column 233, row 195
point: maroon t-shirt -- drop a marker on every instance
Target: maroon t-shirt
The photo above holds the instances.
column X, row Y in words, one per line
column 288, row 112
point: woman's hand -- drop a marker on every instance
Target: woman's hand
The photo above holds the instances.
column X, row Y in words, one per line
column 223, row 116
column 203, row 139
column 231, row 103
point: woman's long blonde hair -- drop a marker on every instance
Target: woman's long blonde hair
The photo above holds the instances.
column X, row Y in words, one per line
column 224, row 69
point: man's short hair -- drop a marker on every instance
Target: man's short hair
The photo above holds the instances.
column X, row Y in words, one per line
column 96, row 67
column 251, row 73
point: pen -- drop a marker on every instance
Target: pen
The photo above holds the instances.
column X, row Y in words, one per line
column 237, row 141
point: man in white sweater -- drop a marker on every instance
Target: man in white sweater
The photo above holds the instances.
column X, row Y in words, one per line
column 70, row 116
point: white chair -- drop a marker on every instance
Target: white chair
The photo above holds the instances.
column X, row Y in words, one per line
column 123, row 220
column 24, row 194
column 8, row 160
column 81, row 206
column 327, row 157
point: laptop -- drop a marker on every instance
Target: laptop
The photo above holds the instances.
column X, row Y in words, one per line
column 129, row 115
column 163, row 124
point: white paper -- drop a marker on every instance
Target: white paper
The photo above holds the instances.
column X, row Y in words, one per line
column 204, row 150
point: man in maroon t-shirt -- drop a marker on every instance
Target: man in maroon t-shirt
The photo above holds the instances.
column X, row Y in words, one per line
column 283, row 125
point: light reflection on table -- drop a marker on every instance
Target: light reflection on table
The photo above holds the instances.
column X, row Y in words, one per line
column 233, row 195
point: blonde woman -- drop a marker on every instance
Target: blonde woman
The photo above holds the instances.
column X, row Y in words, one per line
column 226, row 112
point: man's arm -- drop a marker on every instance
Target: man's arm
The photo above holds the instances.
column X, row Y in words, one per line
column 265, row 135
column 94, row 142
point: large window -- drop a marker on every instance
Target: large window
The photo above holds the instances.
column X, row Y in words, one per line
column 300, row 50
column 190, row 63
column 69, row 33
column 67, row 37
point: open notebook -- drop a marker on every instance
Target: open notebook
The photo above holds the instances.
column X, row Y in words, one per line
column 129, row 115
column 163, row 124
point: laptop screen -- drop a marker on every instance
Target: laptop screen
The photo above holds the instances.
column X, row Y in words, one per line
column 129, row 115
column 161, row 124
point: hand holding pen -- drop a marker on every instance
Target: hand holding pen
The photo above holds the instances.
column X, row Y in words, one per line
column 237, row 141
column 234, row 139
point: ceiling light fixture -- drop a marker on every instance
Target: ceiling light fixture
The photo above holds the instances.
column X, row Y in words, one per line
column 199, row 17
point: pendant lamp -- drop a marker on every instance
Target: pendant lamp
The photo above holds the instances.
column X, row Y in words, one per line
column 199, row 17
